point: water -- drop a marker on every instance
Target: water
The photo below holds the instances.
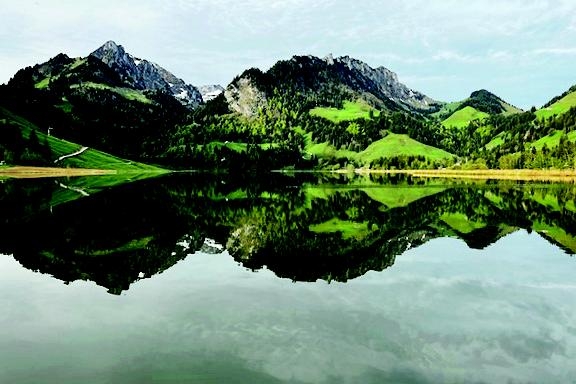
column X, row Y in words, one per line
column 311, row 279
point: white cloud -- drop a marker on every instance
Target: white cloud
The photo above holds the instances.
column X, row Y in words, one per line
column 565, row 51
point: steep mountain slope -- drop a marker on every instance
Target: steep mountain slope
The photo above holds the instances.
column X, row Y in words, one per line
column 304, row 82
column 105, row 101
column 144, row 75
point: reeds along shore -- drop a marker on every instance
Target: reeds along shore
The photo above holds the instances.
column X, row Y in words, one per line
column 497, row 174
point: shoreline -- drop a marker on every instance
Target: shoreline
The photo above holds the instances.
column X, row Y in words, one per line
column 482, row 174
column 22, row 172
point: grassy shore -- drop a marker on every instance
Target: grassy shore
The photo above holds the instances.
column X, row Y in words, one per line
column 495, row 174
column 36, row 172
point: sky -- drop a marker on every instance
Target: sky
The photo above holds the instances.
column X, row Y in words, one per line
column 522, row 50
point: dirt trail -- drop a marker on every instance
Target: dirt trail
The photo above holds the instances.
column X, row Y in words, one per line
column 78, row 152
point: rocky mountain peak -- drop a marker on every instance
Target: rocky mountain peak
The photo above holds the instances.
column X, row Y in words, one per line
column 210, row 92
column 145, row 75
column 383, row 82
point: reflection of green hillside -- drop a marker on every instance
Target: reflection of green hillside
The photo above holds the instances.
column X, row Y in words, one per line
column 132, row 245
column 334, row 230
column 70, row 189
column 548, row 200
column 556, row 234
column 348, row 229
column 393, row 197
column 461, row 223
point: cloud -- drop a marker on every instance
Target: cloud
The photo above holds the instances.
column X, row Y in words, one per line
column 566, row 51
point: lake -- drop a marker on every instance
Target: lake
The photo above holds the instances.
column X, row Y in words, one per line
column 197, row 278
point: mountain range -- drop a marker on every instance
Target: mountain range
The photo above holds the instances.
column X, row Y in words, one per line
column 305, row 112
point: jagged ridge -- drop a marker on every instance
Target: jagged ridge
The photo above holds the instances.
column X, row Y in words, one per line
column 145, row 75
column 323, row 82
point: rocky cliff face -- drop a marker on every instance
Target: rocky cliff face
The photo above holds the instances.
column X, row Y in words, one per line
column 381, row 82
column 326, row 80
column 143, row 74
column 243, row 96
column 210, row 92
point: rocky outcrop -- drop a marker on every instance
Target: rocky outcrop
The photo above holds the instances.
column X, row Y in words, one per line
column 210, row 92
column 243, row 96
column 145, row 75
column 313, row 78
column 381, row 82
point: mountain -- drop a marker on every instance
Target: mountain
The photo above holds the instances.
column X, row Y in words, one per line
column 108, row 101
column 312, row 81
column 144, row 75
column 478, row 106
column 210, row 92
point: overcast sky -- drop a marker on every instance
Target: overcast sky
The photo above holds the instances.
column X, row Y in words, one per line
column 522, row 50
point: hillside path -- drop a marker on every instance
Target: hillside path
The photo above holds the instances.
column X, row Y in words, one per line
column 78, row 152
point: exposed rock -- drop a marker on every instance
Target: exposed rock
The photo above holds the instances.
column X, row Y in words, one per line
column 382, row 82
column 145, row 75
column 244, row 97
column 210, row 92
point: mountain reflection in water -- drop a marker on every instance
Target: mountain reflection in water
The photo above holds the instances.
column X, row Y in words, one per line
column 304, row 228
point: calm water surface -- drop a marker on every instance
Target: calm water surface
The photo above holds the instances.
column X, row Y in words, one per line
column 200, row 279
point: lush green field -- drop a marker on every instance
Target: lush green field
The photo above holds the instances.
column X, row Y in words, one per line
column 390, row 146
column 127, row 93
column 90, row 158
column 463, row 117
column 552, row 140
column 559, row 107
column 395, row 145
column 496, row 141
column 351, row 111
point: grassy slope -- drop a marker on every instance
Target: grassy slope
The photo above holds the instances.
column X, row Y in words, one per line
column 463, row 117
column 128, row 93
column 559, row 107
column 552, row 140
column 510, row 109
column 496, row 141
column 390, row 146
column 91, row 158
column 351, row 111
column 446, row 109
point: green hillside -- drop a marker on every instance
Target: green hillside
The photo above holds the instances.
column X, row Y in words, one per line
column 463, row 117
column 446, row 110
column 90, row 158
column 390, row 146
column 559, row 107
column 552, row 140
column 351, row 111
